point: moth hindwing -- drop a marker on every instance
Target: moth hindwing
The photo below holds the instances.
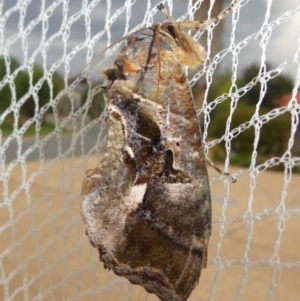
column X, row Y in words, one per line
column 147, row 206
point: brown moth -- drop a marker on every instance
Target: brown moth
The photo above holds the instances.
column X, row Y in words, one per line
column 147, row 206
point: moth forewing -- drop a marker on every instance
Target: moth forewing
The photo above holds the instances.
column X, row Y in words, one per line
column 147, row 206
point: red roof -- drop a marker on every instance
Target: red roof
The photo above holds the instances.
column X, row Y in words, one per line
column 283, row 100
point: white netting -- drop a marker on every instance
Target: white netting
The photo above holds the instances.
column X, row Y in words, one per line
column 44, row 253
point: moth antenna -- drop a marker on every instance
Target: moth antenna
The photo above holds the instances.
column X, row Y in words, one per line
column 162, row 8
column 221, row 172
column 105, row 49
column 197, row 25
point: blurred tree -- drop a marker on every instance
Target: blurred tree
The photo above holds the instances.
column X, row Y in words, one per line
column 273, row 135
column 96, row 98
column 5, row 91
column 12, row 65
column 26, row 81
column 277, row 86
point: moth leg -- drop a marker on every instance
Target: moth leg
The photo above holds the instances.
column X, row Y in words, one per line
column 233, row 179
column 189, row 52
column 197, row 25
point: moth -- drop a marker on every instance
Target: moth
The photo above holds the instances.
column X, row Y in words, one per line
column 147, row 206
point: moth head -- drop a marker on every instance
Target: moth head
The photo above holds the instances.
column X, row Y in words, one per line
column 187, row 51
column 121, row 69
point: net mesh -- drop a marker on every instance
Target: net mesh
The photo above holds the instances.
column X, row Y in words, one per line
column 44, row 253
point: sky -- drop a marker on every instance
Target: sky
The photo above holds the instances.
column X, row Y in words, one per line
column 63, row 34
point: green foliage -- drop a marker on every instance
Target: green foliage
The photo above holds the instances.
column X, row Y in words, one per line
column 273, row 134
column 24, row 81
column 5, row 92
column 7, row 127
column 277, row 86
column 220, row 86
column 97, row 105
column 242, row 145
column 12, row 64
